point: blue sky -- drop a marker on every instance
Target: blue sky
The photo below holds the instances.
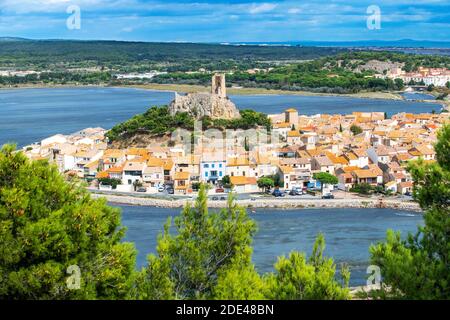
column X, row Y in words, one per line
column 226, row 21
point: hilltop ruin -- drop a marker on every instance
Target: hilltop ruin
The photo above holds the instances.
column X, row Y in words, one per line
column 215, row 104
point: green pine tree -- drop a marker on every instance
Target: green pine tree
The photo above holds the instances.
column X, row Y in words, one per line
column 48, row 225
column 206, row 248
column 299, row 278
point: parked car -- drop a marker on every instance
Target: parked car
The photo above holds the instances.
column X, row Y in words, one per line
column 277, row 193
column 220, row 190
column 160, row 189
column 141, row 189
column 295, row 192
column 170, row 190
column 328, row 196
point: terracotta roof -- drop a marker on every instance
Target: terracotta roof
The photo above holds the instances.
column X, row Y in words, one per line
column 336, row 160
column 293, row 133
column 168, row 164
column 365, row 173
column 241, row 180
column 407, row 184
column 92, row 165
column 181, row 176
column 133, row 166
column 281, row 125
column 235, row 162
column 117, row 169
column 102, row 174
column 286, row 169
column 155, row 162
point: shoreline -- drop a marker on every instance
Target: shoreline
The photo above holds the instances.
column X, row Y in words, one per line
column 378, row 95
column 351, row 203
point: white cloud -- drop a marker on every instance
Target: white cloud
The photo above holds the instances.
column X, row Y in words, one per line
column 127, row 29
column 294, row 10
column 265, row 7
column 29, row 6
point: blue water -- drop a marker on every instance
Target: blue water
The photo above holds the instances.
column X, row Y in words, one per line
column 348, row 233
column 311, row 105
column 30, row 115
column 418, row 96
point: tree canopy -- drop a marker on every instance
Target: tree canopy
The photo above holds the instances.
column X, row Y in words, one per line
column 206, row 247
column 50, row 229
column 325, row 178
column 355, row 129
column 265, row 183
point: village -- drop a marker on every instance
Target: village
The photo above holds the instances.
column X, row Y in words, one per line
column 359, row 149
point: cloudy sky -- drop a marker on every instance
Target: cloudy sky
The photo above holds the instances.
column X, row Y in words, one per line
column 226, row 21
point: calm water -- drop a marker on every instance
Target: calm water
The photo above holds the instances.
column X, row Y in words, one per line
column 418, row 96
column 348, row 233
column 30, row 115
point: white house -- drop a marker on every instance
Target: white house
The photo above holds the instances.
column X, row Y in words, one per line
column 132, row 172
column 212, row 170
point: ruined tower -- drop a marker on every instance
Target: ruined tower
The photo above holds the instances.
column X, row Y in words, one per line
column 215, row 105
column 218, row 85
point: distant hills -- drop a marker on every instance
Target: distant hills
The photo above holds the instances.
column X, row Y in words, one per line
column 402, row 43
column 7, row 39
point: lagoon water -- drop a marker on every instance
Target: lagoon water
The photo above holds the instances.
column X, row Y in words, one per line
column 348, row 233
column 30, row 115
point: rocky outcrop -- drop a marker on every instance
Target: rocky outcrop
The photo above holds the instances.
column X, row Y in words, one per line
column 204, row 104
column 215, row 105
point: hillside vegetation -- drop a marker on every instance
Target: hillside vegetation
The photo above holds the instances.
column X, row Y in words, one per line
column 127, row 56
column 345, row 73
column 157, row 121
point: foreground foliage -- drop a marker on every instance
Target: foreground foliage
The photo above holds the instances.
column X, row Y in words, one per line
column 209, row 257
column 48, row 225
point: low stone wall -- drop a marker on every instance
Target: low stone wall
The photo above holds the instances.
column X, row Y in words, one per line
column 271, row 203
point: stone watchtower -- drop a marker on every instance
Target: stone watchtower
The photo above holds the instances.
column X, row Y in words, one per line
column 215, row 105
column 218, row 85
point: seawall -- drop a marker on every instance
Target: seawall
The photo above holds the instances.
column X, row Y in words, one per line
column 270, row 203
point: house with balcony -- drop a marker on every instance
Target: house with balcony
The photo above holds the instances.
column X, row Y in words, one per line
column 372, row 176
column 345, row 181
column 212, row 171
column 153, row 177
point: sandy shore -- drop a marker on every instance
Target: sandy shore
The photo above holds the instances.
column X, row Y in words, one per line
column 270, row 203
column 261, row 91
